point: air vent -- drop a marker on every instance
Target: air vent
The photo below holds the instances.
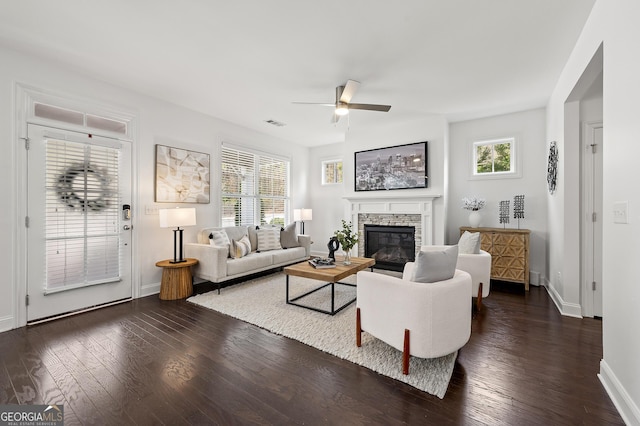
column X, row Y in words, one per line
column 275, row 123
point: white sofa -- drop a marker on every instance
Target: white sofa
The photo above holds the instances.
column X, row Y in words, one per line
column 426, row 320
column 215, row 265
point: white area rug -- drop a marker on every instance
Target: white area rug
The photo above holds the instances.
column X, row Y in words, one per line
column 261, row 301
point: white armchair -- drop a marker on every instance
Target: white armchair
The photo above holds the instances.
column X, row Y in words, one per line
column 478, row 266
column 426, row 320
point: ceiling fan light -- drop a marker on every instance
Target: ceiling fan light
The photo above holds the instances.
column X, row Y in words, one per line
column 342, row 110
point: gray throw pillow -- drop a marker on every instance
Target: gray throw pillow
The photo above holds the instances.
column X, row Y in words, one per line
column 469, row 243
column 434, row 266
column 288, row 236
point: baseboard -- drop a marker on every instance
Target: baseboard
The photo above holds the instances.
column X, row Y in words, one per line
column 149, row 289
column 6, row 323
column 566, row 309
column 626, row 407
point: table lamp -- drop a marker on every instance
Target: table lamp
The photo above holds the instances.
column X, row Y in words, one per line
column 177, row 217
column 300, row 215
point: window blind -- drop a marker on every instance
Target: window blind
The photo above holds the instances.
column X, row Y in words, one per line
column 253, row 184
column 81, row 215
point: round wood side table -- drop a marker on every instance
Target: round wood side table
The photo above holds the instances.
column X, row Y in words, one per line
column 177, row 282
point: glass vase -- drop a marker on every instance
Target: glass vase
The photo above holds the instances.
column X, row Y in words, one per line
column 347, row 257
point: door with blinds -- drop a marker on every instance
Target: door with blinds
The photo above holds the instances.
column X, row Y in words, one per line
column 78, row 233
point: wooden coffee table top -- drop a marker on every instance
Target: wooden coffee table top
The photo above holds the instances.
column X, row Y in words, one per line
column 330, row 275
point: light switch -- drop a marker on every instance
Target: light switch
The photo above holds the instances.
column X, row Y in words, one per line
column 150, row 209
column 620, row 212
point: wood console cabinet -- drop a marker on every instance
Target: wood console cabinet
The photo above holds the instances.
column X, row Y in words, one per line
column 509, row 249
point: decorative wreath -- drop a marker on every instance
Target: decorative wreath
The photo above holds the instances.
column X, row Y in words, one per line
column 68, row 188
column 552, row 167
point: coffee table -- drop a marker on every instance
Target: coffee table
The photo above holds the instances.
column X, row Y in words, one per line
column 330, row 276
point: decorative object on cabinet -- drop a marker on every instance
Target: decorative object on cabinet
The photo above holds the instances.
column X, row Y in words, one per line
column 396, row 167
column 509, row 250
column 474, row 204
column 182, row 176
column 552, row 167
column 518, row 208
column 503, row 212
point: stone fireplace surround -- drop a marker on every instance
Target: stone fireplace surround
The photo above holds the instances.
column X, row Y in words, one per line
column 393, row 210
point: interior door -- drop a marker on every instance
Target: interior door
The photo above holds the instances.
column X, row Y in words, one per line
column 78, row 235
column 591, row 246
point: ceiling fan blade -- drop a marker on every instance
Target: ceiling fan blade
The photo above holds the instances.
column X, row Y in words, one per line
column 349, row 90
column 314, row 103
column 370, row 107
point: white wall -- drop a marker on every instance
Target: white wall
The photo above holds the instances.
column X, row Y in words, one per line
column 159, row 122
column 613, row 24
column 529, row 129
column 328, row 201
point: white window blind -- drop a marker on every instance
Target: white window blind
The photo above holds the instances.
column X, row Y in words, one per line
column 82, row 215
column 253, row 184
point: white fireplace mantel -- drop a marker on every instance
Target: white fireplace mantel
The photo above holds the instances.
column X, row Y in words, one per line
column 394, row 204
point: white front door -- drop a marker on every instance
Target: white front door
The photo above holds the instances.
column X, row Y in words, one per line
column 78, row 240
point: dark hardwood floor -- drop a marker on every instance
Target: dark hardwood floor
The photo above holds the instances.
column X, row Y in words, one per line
column 173, row 363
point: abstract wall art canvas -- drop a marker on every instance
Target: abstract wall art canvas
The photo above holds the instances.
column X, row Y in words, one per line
column 182, row 176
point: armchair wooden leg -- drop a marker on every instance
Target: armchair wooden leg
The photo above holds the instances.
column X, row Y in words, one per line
column 358, row 329
column 479, row 301
column 405, row 353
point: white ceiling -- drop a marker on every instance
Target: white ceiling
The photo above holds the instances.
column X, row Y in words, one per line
column 245, row 61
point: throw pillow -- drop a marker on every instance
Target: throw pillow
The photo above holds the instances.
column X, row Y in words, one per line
column 240, row 248
column 253, row 236
column 289, row 237
column 469, row 243
column 219, row 239
column 434, row 266
column 268, row 239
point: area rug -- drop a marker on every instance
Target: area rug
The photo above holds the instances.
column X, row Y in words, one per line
column 261, row 302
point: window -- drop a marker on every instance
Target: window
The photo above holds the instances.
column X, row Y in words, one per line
column 331, row 172
column 494, row 158
column 255, row 188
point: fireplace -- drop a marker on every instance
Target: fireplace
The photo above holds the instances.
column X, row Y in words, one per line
column 391, row 246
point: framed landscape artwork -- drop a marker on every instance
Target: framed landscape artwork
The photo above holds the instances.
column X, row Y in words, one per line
column 182, row 176
column 395, row 167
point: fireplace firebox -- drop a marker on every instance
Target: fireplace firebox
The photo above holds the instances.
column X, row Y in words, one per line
column 391, row 246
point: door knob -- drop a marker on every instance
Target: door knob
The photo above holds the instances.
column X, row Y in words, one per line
column 126, row 227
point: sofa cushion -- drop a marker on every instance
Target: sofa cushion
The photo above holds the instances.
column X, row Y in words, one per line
column 219, row 239
column 240, row 248
column 289, row 255
column 249, row 263
column 289, row 237
column 235, row 232
column 434, row 266
column 268, row 239
column 253, row 236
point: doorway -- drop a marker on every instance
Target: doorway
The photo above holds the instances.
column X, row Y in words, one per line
column 78, row 235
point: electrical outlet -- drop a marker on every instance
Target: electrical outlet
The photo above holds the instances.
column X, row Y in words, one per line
column 621, row 212
column 151, row 209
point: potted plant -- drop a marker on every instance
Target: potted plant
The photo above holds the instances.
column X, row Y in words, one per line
column 347, row 239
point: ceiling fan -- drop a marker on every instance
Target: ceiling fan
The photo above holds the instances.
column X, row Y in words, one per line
column 343, row 103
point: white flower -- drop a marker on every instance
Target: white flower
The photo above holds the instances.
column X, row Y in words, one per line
column 473, row 203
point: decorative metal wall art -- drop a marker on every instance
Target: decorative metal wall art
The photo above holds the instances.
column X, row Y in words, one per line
column 518, row 208
column 552, row 167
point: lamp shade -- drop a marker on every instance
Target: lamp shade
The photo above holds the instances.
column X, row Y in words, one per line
column 297, row 215
column 170, row 218
column 306, row 214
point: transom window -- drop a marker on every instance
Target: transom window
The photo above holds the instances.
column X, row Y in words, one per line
column 331, row 172
column 494, row 158
column 255, row 188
